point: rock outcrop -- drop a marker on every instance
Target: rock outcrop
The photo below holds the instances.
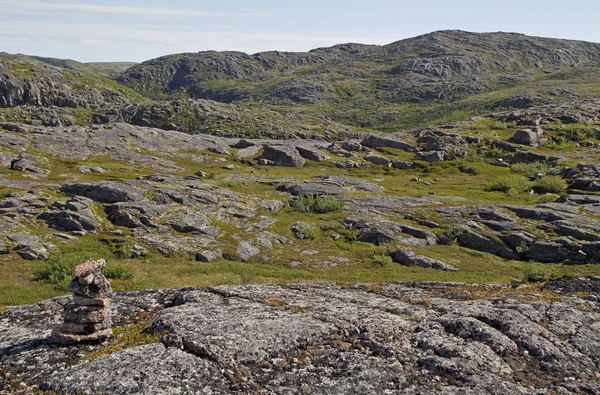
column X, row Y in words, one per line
column 409, row 338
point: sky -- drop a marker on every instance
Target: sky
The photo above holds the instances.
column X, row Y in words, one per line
column 138, row 30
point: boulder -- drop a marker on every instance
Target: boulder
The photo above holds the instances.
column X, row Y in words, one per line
column 27, row 162
column 247, row 250
column 312, row 154
column 373, row 141
column 311, row 188
column 409, row 258
column 283, row 155
column 352, row 146
column 403, row 165
column 434, row 156
column 70, row 221
column 526, row 137
column 475, row 241
column 272, row 205
column 105, row 192
column 208, row 255
column 195, row 223
column 377, row 159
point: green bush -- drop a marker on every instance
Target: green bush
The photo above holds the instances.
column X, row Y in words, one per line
column 550, row 184
column 316, row 204
column 454, row 233
column 534, row 272
column 511, row 186
column 497, row 125
column 119, row 272
column 58, row 269
column 382, row 259
column 529, row 169
column 307, row 231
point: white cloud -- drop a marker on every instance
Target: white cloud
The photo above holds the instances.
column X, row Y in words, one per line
column 113, row 9
column 113, row 42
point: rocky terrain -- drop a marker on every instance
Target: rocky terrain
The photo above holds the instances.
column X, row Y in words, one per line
column 213, row 169
column 408, row 338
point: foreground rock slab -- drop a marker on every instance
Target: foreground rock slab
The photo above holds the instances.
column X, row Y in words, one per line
column 409, row 338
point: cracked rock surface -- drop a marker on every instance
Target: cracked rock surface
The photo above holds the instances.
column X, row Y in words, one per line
column 409, row 338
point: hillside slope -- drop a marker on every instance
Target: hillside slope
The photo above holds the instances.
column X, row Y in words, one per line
column 384, row 86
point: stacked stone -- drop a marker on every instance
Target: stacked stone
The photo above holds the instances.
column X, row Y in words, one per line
column 87, row 318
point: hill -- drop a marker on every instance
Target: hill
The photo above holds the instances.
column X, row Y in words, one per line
column 430, row 78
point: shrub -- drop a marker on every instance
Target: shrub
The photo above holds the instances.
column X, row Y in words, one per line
column 537, row 272
column 511, row 186
column 453, row 234
column 316, row 203
column 529, row 169
column 58, row 269
column 550, row 184
column 119, row 272
column 307, row 231
column 497, row 125
column 382, row 259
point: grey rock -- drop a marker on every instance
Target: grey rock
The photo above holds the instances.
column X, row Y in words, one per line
column 105, row 193
column 524, row 157
column 147, row 369
column 352, row 146
column 195, row 223
column 409, row 258
column 403, row 165
column 68, row 221
column 312, row 154
column 283, row 155
column 377, row 159
column 373, row 141
column 547, row 252
column 434, row 156
column 208, row 255
column 526, row 137
column 246, row 250
column 479, row 242
column 31, row 163
column 309, row 188
column 272, row 205
column 243, row 143
column 249, row 151
column 33, row 252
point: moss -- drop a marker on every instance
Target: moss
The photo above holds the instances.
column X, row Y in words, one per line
column 125, row 337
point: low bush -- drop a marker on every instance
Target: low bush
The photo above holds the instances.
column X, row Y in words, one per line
column 534, row 272
column 382, row 259
column 497, row 125
column 119, row 272
column 550, row 184
column 58, row 269
column 530, row 169
column 307, row 231
column 511, row 186
column 317, row 204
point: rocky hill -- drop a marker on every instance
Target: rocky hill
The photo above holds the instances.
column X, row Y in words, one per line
column 352, row 83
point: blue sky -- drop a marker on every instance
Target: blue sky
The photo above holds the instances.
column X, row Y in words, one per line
column 135, row 30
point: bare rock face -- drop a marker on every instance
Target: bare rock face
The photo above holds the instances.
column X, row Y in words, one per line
column 86, row 319
column 401, row 338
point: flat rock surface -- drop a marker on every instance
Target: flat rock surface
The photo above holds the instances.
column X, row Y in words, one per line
column 326, row 339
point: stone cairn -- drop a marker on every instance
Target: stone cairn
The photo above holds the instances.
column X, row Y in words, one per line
column 86, row 319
